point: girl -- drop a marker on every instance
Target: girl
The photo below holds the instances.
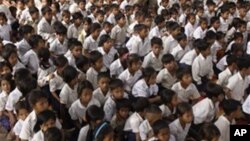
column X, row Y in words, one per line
column 5, row 29
column 45, row 120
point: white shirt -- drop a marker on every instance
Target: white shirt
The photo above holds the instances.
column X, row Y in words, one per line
column 165, row 78
column 184, row 95
column 5, row 31
column 150, row 60
column 111, row 19
column 133, row 123
column 116, row 68
column 91, row 76
column 202, row 67
column 73, row 31
column 131, row 27
column 56, row 83
column 108, row 58
column 248, row 48
column 13, row 98
column 46, row 30
column 204, row 111
column 189, row 57
column 128, row 79
column 71, row 58
column 166, row 112
column 22, row 47
column 98, row 95
column 221, row 65
column 83, row 133
column 138, row 46
column 178, row 52
column 182, row 19
column 109, row 108
column 223, row 25
column 199, row 33
column 90, row 44
column 3, row 100
column 18, row 127
column 178, row 131
column 168, row 44
column 246, row 105
column 39, row 136
column 68, row 95
column 189, row 30
column 43, row 74
column 30, row 59
column 141, row 89
column 145, row 130
column 223, row 77
column 154, row 32
column 223, row 125
column 58, row 48
column 119, row 35
column 214, row 48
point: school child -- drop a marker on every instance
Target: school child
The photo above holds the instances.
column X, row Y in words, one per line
column 5, row 32
column 182, row 48
column 60, row 45
column 133, row 122
column 237, row 84
column 169, row 43
column 118, row 32
column 82, row 64
column 66, row 18
column 166, row 77
column 190, row 26
column 23, row 46
column 164, row 4
column 232, row 110
column 5, row 68
column 78, row 109
column 120, row 64
column 99, row 17
column 199, row 11
column 238, row 39
column 157, row 30
column 201, row 30
column 44, row 27
column 30, row 58
column 152, row 114
column 180, row 127
column 114, row 11
column 76, row 27
column 75, row 6
column 218, row 48
column 96, row 60
column 107, row 27
column 85, row 31
column 53, row 134
column 173, row 11
column 161, row 131
column 107, row 50
column 90, row 43
column 210, row 12
column 139, row 44
column 215, row 24
column 33, row 17
column 210, row 38
column 104, row 132
column 209, row 132
column 224, row 21
column 139, row 18
column 102, row 93
column 131, row 75
column 186, row 8
column 46, row 119
column 74, row 51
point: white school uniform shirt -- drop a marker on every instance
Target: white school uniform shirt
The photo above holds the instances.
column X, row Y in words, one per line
column 165, row 78
column 189, row 30
column 141, row 89
column 111, row 19
column 129, row 80
column 6, row 11
column 184, row 95
column 22, row 47
column 68, row 95
column 73, row 31
column 42, row 74
column 154, row 32
column 229, row 47
column 58, row 48
column 109, row 108
column 208, row 16
column 90, row 44
column 13, row 98
column 178, row 52
column 223, row 124
column 221, row 65
column 145, row 130
column 18, row 127
column 182, row 19
column 17, row 66
column 168, row 44
column 3, row 100
column 30, row 59
column 39, row 136
column 214, row 48
column 150, row 60
column 116, row 68
column 108, row 58
column 189, row 57
column 138, row 46
column 71, row 59
column 230, row 33
column 248, row 48
column 199, row 33
column 5, row 32
column 131, row 27
column 83, row 133
column 237, row 85
column 56, row 83
column 166, row 112
column 133, row 123
column 246, row 105
column 91, row 76
column 224, row 24
column 178, row 131
column 98, row 95
column 77, row 111
column 119, row 35
column 223, row 77
column 46, row 30
column 204, row 111
column 202, row 67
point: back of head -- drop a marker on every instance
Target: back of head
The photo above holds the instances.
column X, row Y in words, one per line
column 167, row 95
column 183, row 108
column 159, row 19
column 26, row 84
column 167, row 58
column 231, row 59
column 158, row 125
column 94, row 56
column 60, row 61
column 94, row 113
column 132, row 58
column 202, row 46
column 230, row 106
column 213, row 90
column 34, row 40
column 209, row 131
column 69, row 73
column 243, row 62
column 140, row 104
column 156, row 41
column 53, row 134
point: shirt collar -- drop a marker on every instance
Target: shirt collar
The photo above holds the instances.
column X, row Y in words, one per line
column 239, row 75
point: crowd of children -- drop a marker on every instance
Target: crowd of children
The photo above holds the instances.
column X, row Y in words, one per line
column 123, row 70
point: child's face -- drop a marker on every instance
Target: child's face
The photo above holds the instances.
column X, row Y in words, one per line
column 74, row 82
column 5, row 70
column 207, row 52
column 22, row 114
column 30, row 3
column 78, row 22
column 157, row 49
column 183, row 42
column 35, row 15
column 203, row 25
column 115, row 11
column 66, row 19
column 237, row 113
column 242, row 12
column 41, row 105
column 164, row 3
column 211, row 8
column 86, row 96
column 187, row 79
column 86, row 26
column 239, row 40
column 100, row 18
column 60, row 37
column 152, row 79
column 174, row 101
column 13, row 59
column 163, row 134
column 41, row 44
column 135, row 66
column 192, row 20
column 82, row 5
column 20, row 5
column 109, row 137
column 122, row 22
column 96, row 33
column 99, row 64
column 143, row 33
column 225, row 15
column 50, row 123
column 5, row 86
column 108, row 29
column 243, row 28
column 48, row 16
column 200, row 13
column 123, row 113
column 103, row 83
column 118, row 93
column 77, row 51
column 108, row 45
column 148, row 22
column 172, row 65
column 216, row 24
column 187, row 117
column 2, row 21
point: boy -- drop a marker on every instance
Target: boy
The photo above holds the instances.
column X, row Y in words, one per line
column 33, row 19
column 215, row 24
column 156, row 31
column 200, row 31
column 66, row 18
column 161, row 131
column 181, row 49
column 74, row 51
column 114, row 12
column 166, row 77
column 139, row 18
column 153, row 59
column 76, row 27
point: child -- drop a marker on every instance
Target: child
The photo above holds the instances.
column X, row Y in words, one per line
column 118, row 32
column 182, row 48
column 232, row 110
column 185, row 89
column 153, row 59
column 146, row 87
column 104, row 132
column 200, row 31
column 161, row 131
column 133, row 122
column 120, row 64
column 45, row 120
column 99, row 17
column 210, row 12
column 166, row 77
column 75, row 50
column 139, row 18
column 224, row 22
column 85, row 31
column 169, row 43
column 33, row 20
column 82, row 64
column 218, row 48
column 215, row 24
column 180, row 127
column 190, row 26
column 107, row 27
column 78, row 109
column 96, row 60
column 107, row 50
column 238, row 39
column 156, row 31
column 209, row 132
column 102, row 93
column 186, row 8
column 30, row 58
column 76, row 27
column 132, row 73
column 53, row 134
column 5, row 32
column 5, row 68
column 139, row 44
column 152, row 114
column 66, row 18
column 115, row 11
column 117, row 93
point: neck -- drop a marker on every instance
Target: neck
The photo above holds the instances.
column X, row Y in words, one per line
column 230, row 69
column 183, row 85
column 130, row 71
column 229, row 118
column 84, row 104
column 242, row 74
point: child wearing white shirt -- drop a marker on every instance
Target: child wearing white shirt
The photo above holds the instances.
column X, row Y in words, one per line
column 182, row 48
column 86, row 25
column 5, row 29
column 200, row 31
column 190, row 27
column 118, row 66
column 224, row 21
column 74, row 52
column 76, row 27
column 163, row 4
column 156, row 31
column 215, row 24
column 210, row 12
column 218, row 47
column 183, row 17
column 66, row 17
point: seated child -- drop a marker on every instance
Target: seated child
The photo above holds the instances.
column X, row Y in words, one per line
column 75, row 50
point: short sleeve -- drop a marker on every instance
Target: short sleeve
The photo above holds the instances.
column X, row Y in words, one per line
column 72, row 112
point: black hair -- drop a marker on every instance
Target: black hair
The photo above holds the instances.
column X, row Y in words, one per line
column 203, row 20
column 69, row 73
column 183, row 108
column 65, row 13
column 214, row 19
column 2, row 14
column 153, row 109
column 60, row 28
column 238, row 35
column 103, row 39
column 60, row 61
column 139, row 13
column 213, row 90
column 85, row 84
column 220, row 35
column 123, row 103
column 159, row 19
column 182, row 72
column 116, row 83
column 180, row 37
column 94, row 113
column 210, row 35
column 25, row 29
column 167, row 58
column 21, row 105
column 73, row 42
column 141, row 104
column 34, row 40
column 147, row 73
column 156, row 41
column 21, row 73
column 209, row 131
column 33, row 10
column 94, row 27
column 43, row 117
column 26, row 84
column 173, row 26
column 5, row 63
column 243, row 62
column 236, row 47
column 94, row 56
column 230, row 106
column 106, row 23
column 35, row 95
column 159, row 125
column 122, row 51
column 8, row 77
column 140, row 27
column 103, row 75
column 53, row 134
column 224, row 8
column 82, row 61
column 44, row 56
column 8, row 51
column 102, row 130
column 46, row 9
column 167, row 95
column 231, row 59
column 203, row 45
column 133, row 58
column 77, row 15
column 119, row 16
column 210, row 2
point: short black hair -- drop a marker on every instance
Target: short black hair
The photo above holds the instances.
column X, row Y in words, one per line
column 103, row 39
column 60, row 61
column 220, row 35
column 21, row 105
column 26, row 84
column 208, row 131
column 231, row 59
column 167, row 58
column 182, row 72
column 34, row 40
column 140, row 27
column 60, row 28
column 153, row 109
column 25, row 29
column 82, row 61
column 43, row 117
column 213, row 90
column 119, row 16
column 230, row 106
column 148, row 72
column 243, row 62
column 180, row 37
column 116, row 83
column 94, row 27
column 46, row 9
column 35, row 96
column 214, row 19
column 94, row 113
column 167, row 95
column 21, row 73
column 77, row 15
column 210, row 35
column 94, row 56
column 203, row 46
column 121, row 51
column 85, row 84
column 182, row 108
column 156, row 41
column 173, row 26
column 141, row 104
column 69, row 74
column 5, row 63
column 33, row 10
column 123, row 103
column 238, row 35
column 133, row 58
column 159, row 19
column 159, row 125
column 7, row 52
column 73, row 42
column 53, row 134
column 103, row 75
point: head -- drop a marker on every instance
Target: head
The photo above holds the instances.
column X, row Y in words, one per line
column 94, row 115
column 214, row 92
column 142, row 31
column 22, row 110
column 83, row 63
column 156, row 45
column 209, row 132
column 61, row 31
column 174, row 28
column 169, row 62
column 148, row 21
column 203, row 23
column 47, row 13
column 204, row 48
column 123, row 54
column 26, row 84
column 140, row 105
column 44, row 57
column 184, row 112
column 96, row 59
column 104, row 132
column 103, row 79
column 5, row 68
column 46, row 119
column 38, row 101
column 242, row 26
column 34, row 12
column 134, row 62
column 244, row 65
column 70, row 76
column 220, row 37
column 224, row 12
column 149, row 75
column 86, row 23
column 160, row 21
column 169, row 97
column 106, row 42
column 77, row 18
column 60, row 62
column 210, row 37
column 66, row 16
column 185, row 76
column 26, row 31
column 95, row 30
column 200, row 11
column 164, row 3
column 237, row 49
column 231, row 108
column 191, row 18
column 232, row 61
column 85, row 90
column 140, row 16
column 3, row 18
column 153, row 113
column 211, row 6
column 107, row 26
column 120, row 19
column 7, row 83
column 215, row 22
column 182, row 40
column 123, row 107
column 75, row 47
column 117, row 89
column 242, row 10
column 21, row 73
column 53, row 134
column 10, row 54
column 36, row 42
column 161, row 130
column 100, row 16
